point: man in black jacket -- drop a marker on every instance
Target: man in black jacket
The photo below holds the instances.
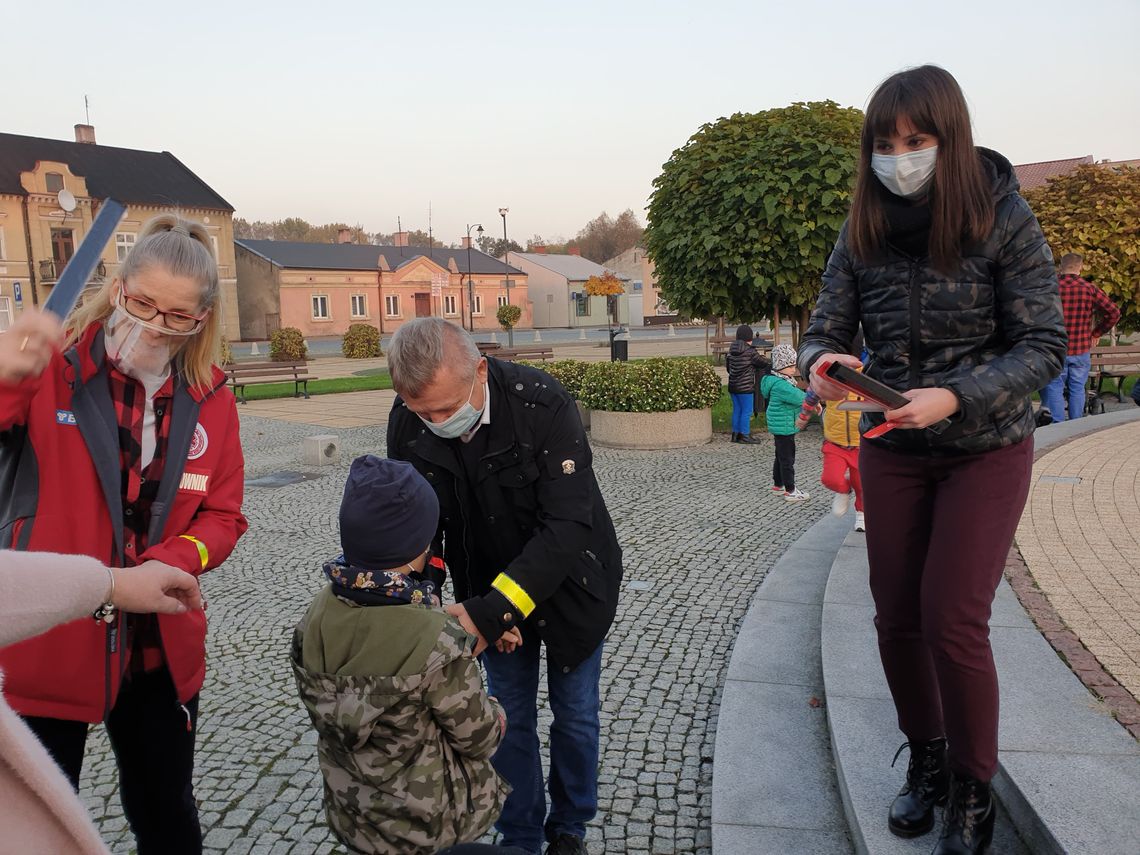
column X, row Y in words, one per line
column 529, row 543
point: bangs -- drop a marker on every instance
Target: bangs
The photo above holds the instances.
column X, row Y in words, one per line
column 900, row 97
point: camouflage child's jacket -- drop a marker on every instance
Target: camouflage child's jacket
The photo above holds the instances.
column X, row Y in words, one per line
column 405, row 729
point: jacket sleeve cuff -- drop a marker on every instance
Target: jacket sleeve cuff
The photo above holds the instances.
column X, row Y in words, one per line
column 181, row 552
column 493, row 614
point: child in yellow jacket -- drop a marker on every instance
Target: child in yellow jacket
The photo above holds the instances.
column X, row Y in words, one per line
column 841, row 459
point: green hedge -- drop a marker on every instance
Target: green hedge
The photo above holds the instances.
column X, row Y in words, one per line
column 650, row 386
column 287, row 345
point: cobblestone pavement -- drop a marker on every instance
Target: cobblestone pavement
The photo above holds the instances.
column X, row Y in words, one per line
column 1080, row 536
column 700, row 530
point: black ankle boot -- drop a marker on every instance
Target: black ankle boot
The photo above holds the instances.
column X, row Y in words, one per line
column 748, row 439
column 968, row 826
column 927, row 785
column 736, row 437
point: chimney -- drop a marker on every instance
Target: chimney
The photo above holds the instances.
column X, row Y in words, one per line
column 85, row 134
column 465, row 243
column 573, row 250
column 400, row 239
column 540, row 248
column 344, row 236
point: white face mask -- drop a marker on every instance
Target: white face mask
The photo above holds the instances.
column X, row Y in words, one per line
column 907, row 175
column 459, row 422
column 142, row 358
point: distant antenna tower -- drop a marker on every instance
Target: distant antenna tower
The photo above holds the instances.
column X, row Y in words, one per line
column 429, row 230
column 399, row 230
column 87, row 109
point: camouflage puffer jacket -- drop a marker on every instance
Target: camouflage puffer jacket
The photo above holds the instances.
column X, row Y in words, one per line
column 992, row 333
column 405, row 759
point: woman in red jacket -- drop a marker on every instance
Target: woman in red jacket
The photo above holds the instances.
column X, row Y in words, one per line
column 124, row 447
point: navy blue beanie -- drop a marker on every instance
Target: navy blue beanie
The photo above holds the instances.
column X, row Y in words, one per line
column 388, row 515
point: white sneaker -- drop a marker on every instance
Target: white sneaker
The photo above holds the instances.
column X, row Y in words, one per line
column 840, row 502
column 796, row 495
column 860, row 525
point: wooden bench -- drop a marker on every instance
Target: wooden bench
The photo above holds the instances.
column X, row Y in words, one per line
column 718, row 347
column 1114, row 363
column 242, row 374
column 533, row 354
column 486, row 347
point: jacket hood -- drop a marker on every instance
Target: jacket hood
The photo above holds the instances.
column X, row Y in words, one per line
column 1003, row 179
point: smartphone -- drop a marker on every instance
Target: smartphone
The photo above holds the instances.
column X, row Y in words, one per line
column 872, row 389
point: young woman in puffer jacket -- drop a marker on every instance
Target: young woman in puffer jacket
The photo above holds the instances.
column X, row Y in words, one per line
column 946, row 268
column 744, row 363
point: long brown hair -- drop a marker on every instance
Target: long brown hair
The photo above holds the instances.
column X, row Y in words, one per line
column 181, row 247
column 961, row 204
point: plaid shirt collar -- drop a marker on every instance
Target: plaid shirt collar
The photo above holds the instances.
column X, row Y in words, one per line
column 128, row 397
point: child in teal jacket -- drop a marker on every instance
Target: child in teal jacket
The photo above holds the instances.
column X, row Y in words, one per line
column 784, row 399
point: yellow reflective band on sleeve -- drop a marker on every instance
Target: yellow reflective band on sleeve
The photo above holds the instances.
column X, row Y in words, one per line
column 510, row 589
column 203, row 553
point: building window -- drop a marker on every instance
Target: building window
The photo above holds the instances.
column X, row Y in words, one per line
column 449, row 304
column 62, row 247
column 214, row 243
column 54, row 182
column 5, row 313
column 3, row 245
column 478, row 304
column 359, row 306
column 581, row 304
column 124, row 242
column 392, row 305
column 320, row 307
column 504, row 300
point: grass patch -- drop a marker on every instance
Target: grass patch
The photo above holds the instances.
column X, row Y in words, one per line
column 379, row 380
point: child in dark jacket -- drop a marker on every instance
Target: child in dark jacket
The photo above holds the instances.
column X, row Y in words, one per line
column 784, row 399
column 405, row 729
column 743, row 363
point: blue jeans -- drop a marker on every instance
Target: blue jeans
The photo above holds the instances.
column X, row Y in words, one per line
column 574, row 702
column 741, row 412
column 1073, row 377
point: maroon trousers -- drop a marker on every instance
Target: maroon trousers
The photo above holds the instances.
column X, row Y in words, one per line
column 938, row 532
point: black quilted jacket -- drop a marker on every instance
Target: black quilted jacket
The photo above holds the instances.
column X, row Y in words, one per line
column 992, row 332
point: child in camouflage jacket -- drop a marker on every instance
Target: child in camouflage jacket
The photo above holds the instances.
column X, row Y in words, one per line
column 405, row 728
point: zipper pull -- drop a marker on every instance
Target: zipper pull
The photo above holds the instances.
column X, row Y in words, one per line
column 189, row 721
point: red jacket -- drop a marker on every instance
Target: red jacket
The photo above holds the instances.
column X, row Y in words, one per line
column 62, row 494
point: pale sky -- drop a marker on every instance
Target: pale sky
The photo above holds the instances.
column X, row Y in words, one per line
column 365, row 111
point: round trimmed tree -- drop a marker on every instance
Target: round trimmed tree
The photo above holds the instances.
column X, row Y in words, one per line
column 744, row 216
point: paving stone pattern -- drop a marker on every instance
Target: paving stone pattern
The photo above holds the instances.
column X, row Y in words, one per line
column 699, row 526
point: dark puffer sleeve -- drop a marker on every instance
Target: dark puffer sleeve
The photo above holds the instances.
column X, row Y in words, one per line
column 836, row 315
column 1028, row 309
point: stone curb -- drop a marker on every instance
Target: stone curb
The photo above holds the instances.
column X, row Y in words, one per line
column 774, row 784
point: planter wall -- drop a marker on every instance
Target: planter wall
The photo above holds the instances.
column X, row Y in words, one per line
column 682, row 429
column 584, row 414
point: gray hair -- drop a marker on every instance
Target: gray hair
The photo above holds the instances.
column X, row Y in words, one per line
column 420, row 348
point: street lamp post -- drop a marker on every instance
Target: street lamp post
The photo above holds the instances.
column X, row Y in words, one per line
column 507, row 273
column 470, row 283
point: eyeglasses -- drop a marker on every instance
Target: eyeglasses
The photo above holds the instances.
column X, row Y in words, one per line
column 173, row 323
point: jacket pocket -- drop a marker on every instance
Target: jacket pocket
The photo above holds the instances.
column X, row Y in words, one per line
column 589, row 575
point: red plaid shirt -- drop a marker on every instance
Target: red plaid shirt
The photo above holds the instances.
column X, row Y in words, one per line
column 1080, row 300
column 139, row 487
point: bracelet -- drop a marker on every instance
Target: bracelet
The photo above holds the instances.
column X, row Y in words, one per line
column 106, row 612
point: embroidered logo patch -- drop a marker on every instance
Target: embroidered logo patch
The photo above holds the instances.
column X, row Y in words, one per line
column 199, row 443
column 568, row 467
column 65, row 417
column 194, row 482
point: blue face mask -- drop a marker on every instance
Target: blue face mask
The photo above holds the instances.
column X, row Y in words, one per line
column 459, row 422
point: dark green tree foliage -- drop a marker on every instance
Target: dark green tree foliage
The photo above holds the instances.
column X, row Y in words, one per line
column 745, row 214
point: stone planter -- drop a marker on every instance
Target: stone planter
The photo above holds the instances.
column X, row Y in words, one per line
column 584, row 414
column 681, row 429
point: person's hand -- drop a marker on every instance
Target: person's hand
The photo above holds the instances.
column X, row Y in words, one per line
column 926, row 407
column 509, row 641
column 823, row 385
column 459, row 612
column 28, row 345
column 502, row 718
column 155, row 587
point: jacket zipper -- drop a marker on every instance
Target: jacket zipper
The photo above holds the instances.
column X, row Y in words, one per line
column 915, row 317
column 466, row 552
column 467, row 780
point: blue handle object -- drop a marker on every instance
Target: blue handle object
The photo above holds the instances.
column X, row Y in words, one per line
column 74, row 278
